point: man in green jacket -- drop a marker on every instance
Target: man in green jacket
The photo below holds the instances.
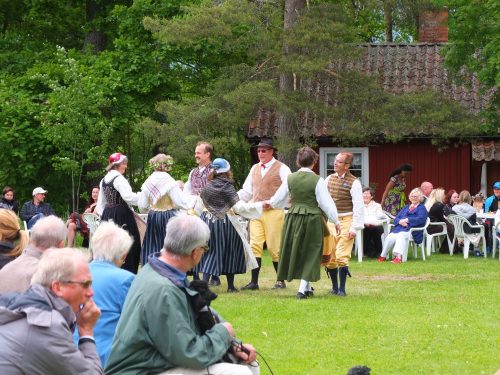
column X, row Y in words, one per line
column 158, row 332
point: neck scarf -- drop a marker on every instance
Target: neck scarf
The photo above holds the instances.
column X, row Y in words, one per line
column 219, row 195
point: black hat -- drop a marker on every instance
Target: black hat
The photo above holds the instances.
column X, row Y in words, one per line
column 267, row 143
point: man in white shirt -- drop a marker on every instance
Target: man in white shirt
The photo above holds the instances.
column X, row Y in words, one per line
column 262, row 182
column 346, row 191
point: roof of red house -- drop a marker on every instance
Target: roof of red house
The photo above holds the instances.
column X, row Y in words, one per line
column 401, row 68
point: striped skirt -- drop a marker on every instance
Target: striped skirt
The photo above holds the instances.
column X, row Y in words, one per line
column 226, row 253
column 155, row 233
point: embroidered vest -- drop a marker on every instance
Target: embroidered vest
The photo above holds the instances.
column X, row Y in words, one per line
column 199, row 179
column 113, row 197
column 340, row 190
column 264, row 188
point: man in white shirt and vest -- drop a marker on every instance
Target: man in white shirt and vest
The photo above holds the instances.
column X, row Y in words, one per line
column 347, row 194
column 262, row 182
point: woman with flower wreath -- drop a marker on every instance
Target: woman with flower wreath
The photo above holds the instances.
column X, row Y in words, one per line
column 161, row 198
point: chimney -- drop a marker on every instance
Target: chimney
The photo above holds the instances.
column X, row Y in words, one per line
column 433, row 26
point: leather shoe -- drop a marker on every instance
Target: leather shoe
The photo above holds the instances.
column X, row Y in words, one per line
column 251, row 286
column 301, row 296
column 341, row 293
column 333, row 292
column 279, row 285
column 232, row 290
column 214, row 283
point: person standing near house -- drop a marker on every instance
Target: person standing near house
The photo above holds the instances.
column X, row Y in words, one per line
column 263, row 180
column 394, row 198
column 346, row 191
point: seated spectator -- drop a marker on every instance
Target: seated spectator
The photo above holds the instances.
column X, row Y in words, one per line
column 478, row 202
column 16, row 275
column 426, row 188
column 413, row 215
column 8, row 201
column 34, row 210
column 372, row 241
column 76, row 224
column 465, row 209
column 492, row 202
column 36, row 326
column 13, row 240
column 110, row 245
column 158, row 331
column 435, row 207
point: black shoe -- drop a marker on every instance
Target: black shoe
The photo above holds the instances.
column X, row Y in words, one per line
column 341, row 293
column 251, row 286
column 214, row 282
column 301, row 295
column 333, row 292
column 279, row 285
column 309, row 293
column 232, row 290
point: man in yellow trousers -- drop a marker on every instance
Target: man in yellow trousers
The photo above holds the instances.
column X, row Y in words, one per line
column 263, row 180
column 347, row 194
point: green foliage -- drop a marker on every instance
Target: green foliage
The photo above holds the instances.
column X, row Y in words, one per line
column 475, row 44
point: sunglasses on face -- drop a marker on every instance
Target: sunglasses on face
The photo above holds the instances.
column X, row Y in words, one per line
column 85, row 284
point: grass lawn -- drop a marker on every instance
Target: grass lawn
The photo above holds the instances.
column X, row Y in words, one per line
column 441, row 316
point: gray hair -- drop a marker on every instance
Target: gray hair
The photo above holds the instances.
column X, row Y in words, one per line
column 48, row 232
column 110, row 242
column 184, row 234
column 57, row 265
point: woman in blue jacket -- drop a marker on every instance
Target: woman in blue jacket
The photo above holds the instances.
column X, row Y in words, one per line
column 413, row 215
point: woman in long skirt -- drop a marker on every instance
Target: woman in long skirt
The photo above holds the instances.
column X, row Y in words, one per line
column 229, row 252
column 305, row 223
column 115, row 196
column 161, row 198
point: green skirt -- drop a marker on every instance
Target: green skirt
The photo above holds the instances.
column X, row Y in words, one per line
column 301, row 247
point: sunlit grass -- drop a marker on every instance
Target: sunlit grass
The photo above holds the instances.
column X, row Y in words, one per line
column 441, row 316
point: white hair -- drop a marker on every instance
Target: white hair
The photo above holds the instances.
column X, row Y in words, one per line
column 185, row 233
column 57, row 265
column 110, row 242
column 48, row 232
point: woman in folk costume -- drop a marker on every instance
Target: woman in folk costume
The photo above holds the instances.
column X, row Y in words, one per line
column 114, row 201
column 229, row 251
column 305, row 223
column 161, row 198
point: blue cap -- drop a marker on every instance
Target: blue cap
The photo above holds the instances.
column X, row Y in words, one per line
column 221, row 165
column 496, row 185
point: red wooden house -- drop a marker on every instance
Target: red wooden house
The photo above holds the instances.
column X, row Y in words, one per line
column 404, row 68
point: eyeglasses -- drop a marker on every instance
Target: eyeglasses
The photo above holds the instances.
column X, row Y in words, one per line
column 86, row 284
column 263, row 151
column 340, row 161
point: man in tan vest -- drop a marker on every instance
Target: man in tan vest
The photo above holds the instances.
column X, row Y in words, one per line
column 262, row 182
column 347, row 194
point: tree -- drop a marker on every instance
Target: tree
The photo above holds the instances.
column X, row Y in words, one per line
column 475, row 45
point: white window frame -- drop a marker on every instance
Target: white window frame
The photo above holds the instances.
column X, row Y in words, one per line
column 365, row 172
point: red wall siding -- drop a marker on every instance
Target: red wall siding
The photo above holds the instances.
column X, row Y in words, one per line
column 449, row 168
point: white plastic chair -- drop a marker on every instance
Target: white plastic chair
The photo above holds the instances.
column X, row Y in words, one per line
column 458, row 223
column 412, row 242
column 496, row 240
column 432, row 237
column 92, row 221
column 26, row 228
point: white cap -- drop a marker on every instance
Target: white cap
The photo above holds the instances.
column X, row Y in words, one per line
column 39, row 190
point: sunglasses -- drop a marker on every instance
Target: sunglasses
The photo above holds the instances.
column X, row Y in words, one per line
column 86, row 284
